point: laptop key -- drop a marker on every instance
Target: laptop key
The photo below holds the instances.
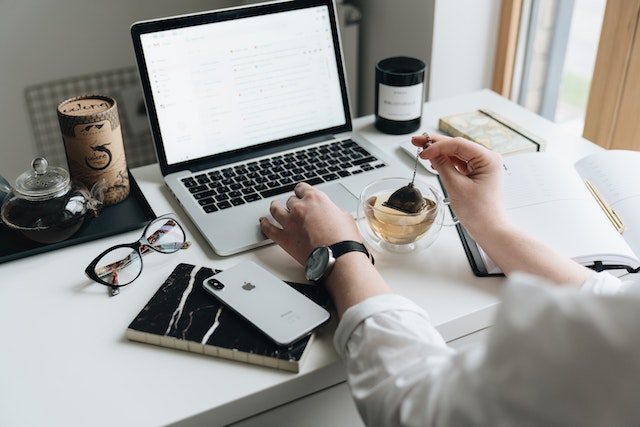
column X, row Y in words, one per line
column 289, row 187
column 252, row 197
column 224, row 204
column 204, row 194
column 189, row 182
column 364, row 160
column 198, row 189
column 207, row 201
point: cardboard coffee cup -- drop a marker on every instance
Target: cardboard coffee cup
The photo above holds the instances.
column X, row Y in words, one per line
column 92, row 137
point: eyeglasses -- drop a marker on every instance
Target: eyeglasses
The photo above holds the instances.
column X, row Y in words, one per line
column 120, row 265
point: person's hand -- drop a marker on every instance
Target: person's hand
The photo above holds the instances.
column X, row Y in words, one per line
column 309, row 219
column 472, row 176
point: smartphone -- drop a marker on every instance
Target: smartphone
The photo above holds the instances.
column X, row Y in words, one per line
column 275, row 308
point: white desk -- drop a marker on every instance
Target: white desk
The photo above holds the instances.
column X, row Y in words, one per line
column 65, row 359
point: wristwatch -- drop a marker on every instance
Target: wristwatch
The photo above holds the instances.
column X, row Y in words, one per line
column 321, row 261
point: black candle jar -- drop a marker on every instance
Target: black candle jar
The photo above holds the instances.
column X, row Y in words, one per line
column 399, row 94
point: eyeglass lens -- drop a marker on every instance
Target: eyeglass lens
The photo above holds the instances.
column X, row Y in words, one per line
column 123, row 265
column 165, row 235
column 120, row 266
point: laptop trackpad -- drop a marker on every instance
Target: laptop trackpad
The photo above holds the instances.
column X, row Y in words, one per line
column 231, row 240
column 341, row 197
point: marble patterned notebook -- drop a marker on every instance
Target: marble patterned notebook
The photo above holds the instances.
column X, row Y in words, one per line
column 182, row 315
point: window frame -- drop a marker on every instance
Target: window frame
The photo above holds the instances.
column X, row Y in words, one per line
column 611, row 119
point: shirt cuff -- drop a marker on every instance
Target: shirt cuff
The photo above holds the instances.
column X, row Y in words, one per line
column 356, row 314
column 602, row 283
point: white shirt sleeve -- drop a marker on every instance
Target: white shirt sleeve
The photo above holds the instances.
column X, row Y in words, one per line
column 555, row 356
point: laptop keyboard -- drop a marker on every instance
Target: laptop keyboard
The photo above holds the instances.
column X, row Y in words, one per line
column 245, row 183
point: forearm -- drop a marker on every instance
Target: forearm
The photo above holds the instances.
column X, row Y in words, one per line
column 512, row 249
column 352, row 280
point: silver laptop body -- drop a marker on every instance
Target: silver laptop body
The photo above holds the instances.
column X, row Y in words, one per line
column 236, row 86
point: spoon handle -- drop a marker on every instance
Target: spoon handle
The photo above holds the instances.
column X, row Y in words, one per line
column 415, row 165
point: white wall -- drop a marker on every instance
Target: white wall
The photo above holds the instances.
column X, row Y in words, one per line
column 464, row 41
column 391, row 28
column 42, row 41
column 456, row 38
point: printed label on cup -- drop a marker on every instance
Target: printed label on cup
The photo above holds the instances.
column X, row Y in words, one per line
column 93, row 143
column 400, row 103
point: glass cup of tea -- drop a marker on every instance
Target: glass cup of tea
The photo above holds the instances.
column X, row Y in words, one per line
column 386, row 228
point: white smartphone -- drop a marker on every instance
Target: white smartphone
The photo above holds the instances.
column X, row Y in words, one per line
column 279, row 311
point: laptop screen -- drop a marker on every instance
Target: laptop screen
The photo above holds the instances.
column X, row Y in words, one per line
column 219, row 84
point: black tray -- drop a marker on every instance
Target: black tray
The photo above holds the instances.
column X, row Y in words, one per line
column 130, row 214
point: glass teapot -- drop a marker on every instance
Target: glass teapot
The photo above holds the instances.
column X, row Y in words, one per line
column 45, row 205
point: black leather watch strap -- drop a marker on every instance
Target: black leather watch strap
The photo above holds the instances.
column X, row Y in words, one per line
column 346, row 246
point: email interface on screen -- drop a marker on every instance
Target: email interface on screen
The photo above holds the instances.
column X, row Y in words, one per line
column 226, row 85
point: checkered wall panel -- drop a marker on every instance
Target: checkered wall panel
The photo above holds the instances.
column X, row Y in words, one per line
column 121, row 84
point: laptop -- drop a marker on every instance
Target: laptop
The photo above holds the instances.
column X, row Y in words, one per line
column 244, row 103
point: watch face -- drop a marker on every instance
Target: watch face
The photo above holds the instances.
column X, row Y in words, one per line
column 317, row 263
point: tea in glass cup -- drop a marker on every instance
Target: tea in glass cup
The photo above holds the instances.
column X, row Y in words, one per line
column 386, row 228
column 397, row 227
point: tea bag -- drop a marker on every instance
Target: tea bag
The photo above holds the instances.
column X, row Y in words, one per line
column 408, row 199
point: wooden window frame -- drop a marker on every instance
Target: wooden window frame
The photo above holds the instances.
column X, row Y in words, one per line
column 505, row 58
column 611, row 118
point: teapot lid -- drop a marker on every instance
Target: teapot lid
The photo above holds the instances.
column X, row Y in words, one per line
column 44, row 182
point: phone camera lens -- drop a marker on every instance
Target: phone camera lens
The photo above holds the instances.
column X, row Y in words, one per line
column 215, row 284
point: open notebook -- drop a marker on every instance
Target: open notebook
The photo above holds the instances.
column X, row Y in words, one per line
column 589, row 211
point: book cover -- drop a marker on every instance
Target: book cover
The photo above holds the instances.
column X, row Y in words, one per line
column 491, row 130
column 182, row 315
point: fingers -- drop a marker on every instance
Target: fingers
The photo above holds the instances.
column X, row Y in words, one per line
column 301, row 189
column 282, row 214
column 278, row 212
column 441, row 145
column 270, row 230
column 459, row 148
column 426, row 139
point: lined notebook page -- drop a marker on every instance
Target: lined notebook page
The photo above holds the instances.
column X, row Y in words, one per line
column 546, row 196
column 616, row 175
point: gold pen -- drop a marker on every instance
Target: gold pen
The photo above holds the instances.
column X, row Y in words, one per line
column 611, row 214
